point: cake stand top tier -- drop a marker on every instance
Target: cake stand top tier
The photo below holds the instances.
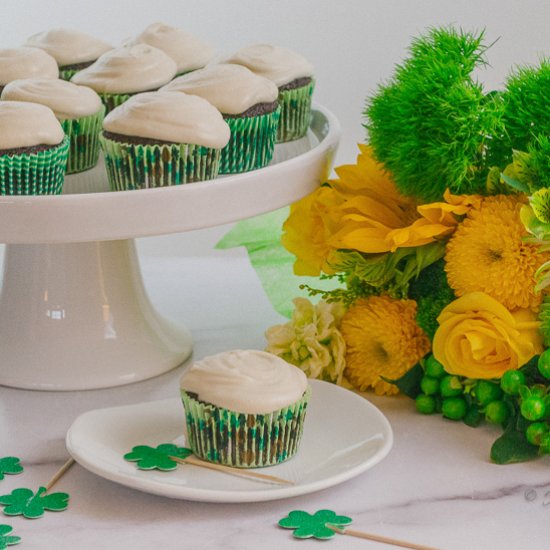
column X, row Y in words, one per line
column 88, row 211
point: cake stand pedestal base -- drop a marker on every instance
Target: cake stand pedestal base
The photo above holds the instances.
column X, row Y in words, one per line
column 76, row 316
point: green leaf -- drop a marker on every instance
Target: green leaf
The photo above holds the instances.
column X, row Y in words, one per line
column 512, row 446
column 409, row 383
column 515, row 184
column 9, row 465
column 157, row 458
column 5, row 539
column 32, row 505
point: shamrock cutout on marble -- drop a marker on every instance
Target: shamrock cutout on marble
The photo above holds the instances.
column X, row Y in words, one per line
column 6, row 539
column 24, row 502
column 151, row 458
column 9, row 465
column 314, row 526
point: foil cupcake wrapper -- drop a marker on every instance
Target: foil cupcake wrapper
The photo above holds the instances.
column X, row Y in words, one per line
column 244, row 440
column 135, row 166
column 83, row 134
column 111, row 101
column 251, row 143
column 40, row 173
column 67, row 74
column 295, row 112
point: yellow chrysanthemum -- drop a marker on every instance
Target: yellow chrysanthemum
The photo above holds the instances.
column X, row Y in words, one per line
column 382, row 339
column 487, row 253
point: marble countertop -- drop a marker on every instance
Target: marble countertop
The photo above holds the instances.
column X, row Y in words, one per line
column 436, row 487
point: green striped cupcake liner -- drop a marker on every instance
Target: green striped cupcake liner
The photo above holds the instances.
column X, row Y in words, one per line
column 295, row 112
column 84, row 141
column 111, row 101
column 67, row 74
column 40, row 173
column 244, row 440
column 251, row 143
column 144, row 166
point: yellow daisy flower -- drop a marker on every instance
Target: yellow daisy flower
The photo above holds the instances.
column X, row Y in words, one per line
column 382, row 339
column 487, row 253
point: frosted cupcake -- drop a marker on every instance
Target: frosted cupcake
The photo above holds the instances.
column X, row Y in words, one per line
column 244, row 408
column 73, row 50
column 158, row 139
column 249, row 105
column 188, row 51
column 78, row 108
column 125, row 71
column 292, row 74
column 25, row 62
column 33, row 150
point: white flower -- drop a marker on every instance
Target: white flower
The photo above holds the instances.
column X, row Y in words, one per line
column 311, row 340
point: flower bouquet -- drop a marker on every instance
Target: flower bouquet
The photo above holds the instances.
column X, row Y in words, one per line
column 439, row 239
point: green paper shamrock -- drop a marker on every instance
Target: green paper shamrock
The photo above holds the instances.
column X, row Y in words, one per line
column 24, row 502
column 307, row 526
column 150, row 458
column 9, row 465
column 5, row 539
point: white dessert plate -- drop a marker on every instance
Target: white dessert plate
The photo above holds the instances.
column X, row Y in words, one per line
column 344, row 435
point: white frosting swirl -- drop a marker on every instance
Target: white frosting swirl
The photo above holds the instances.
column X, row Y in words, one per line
column 170, row 116
column 248, row 381
column 128, row 69
column 68, row 46
column 65, row 99
column 232, row 89
column 188, row 51
column 25, row 124
column 278, row 64
column 26, row 62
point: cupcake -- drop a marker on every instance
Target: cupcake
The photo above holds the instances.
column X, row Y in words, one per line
column 25, row 62
column 125, row 71
column 293, row 75
column 188, row 51
column 33, row 150
column 244, row 408
column 249, row 105
column 78, row 108
column 157, row 139
column 72, row 50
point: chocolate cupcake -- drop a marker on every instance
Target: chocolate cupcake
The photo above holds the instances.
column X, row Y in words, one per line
column 244, row 408
column 78, row 108
column 33, row 150
column 158, row 139
column 293, row 75
column 25, row 62
column 123, row 72
column 73, row 50
column 249, row 105
column 188, row 51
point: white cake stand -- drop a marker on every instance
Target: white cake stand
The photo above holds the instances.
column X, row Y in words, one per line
column 73, row 310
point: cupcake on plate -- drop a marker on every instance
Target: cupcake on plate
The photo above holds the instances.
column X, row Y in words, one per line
column 73, row 50
column 249, row 105
column 158, row 139
column 25, row 62
column 244, row 408
column 293, row 75
column 188, row 51
column 78, row 108
column 123, row 72
column 33, row 150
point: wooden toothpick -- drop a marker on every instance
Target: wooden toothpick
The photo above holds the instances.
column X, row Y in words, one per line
column 379, row 538
column 229, row 470
column 59, row 474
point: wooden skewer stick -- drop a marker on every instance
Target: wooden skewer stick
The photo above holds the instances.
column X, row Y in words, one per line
column 228, row 470
column 59, row 474
column 379, row 538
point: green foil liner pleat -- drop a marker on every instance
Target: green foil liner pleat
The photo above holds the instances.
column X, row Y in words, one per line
column 251, row 143
column 295, row 112
column 244, row 440
column 40, row 173
column 83, row 134
column 67, row 74
column 111, row 101
column 135, row 166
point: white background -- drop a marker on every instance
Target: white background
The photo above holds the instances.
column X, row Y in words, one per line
column 352, row 43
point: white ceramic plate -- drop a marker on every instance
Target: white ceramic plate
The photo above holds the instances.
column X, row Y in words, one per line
column 344, row 435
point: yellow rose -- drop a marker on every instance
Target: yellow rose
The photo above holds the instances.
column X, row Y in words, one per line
column 479, row 338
